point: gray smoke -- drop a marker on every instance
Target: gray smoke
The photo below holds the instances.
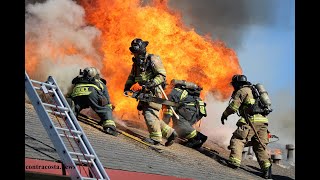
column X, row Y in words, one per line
column 225, row 20
column 282, row 119
column 54, row 27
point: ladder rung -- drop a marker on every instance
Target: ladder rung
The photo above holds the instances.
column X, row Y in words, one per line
column 58, row 107
column 82, row 160
column 64, row 135
column 38, row 88
column 80, row 154
column 89, row 178
column 56, row 112
column 74, row 131
column 42, row 83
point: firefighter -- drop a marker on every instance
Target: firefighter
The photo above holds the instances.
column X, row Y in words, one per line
column 241, row 102
column 190, row 110
column 148, row 71
column 90, row 90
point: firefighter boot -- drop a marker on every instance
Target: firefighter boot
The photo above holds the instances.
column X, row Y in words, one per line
column 151, row 141
column 202, row 138
column 267, row 173
column 110, row 130
column 232, row 165
column 171, row 138
column 196, row 141
column 190, row 143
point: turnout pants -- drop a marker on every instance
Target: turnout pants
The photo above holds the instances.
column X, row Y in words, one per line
column 156, row 127
column 244, row 133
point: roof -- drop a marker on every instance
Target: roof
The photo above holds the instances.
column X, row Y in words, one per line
column 123, row 153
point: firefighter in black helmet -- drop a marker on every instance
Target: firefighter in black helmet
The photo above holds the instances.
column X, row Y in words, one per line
column 148, row 71
column 242, row 100
column 90, row 90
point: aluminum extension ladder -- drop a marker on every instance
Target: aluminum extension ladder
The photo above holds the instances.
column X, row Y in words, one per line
column 81, row 161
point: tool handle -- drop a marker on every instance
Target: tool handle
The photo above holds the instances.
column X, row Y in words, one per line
column 164, row 94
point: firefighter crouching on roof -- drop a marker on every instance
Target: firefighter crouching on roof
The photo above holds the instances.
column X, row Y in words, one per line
column 148, row 70
column 190, row 111
column 242, row 98
column 90, row 90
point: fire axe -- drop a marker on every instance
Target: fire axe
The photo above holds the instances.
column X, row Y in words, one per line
column 145, row 97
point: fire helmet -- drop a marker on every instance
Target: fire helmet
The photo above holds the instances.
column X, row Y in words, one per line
column 138, row 46
column 91, row 72
column 239, row 78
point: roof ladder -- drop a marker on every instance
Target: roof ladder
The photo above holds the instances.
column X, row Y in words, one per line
column 68, row 138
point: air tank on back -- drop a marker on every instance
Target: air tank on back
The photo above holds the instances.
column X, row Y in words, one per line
column 186, row 84
column 264, row 97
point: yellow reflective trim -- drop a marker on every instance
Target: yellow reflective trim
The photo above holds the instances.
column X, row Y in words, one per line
column 170, row 113
column 255, row 118
column 86, row 85
column 155, row 134
column 165, row 129
column 80, row 91
column 242, row 120
column 192, row 134
column 161, row 70
column 184, row 94
column 203, row 109
column 100, row 83
column 108, row 123
column 180, row 90
column 191, row 104
column 235, row 160
column 233, row 106
column 266, row 165
column 201, row 103
column 157, row 80
column 250, row 101
column 109, row 105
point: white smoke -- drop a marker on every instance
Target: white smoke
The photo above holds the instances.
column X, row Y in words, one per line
column 211, row 125
column 53, row 27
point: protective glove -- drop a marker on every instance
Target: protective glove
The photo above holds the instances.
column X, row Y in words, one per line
column 223, row 118
column 136, row 87
column 149, row 85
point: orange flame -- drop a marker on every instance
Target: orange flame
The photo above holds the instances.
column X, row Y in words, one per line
column 185, row 54
column 277, row 151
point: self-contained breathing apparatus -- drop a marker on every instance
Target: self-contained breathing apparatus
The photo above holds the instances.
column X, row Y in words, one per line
column 262, row 103
column 193, row 90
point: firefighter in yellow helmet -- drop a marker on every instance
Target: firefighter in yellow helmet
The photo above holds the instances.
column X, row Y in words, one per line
column 190, row 110
column 90, row 90
column 242, row 101
column 148, row 71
